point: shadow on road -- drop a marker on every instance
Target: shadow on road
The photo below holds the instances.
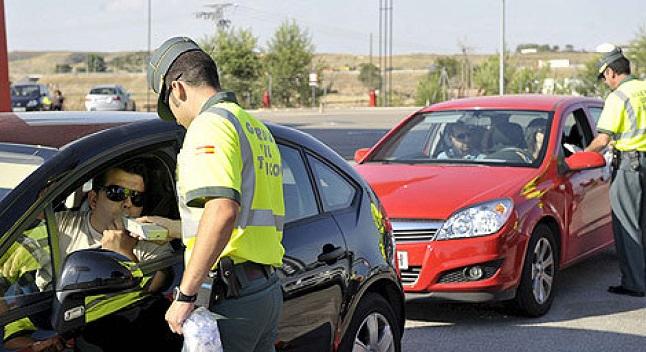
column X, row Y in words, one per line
column 520, row 338
column 581, row 301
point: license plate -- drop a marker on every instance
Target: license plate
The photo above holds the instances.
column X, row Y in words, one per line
column 402, row 260
column 19, row 109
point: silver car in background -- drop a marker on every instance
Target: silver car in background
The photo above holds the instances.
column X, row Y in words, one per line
column 109, row 97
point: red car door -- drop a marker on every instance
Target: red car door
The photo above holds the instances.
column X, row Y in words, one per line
column 589, row 210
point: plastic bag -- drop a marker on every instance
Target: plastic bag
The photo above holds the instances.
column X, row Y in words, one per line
column 201, row 332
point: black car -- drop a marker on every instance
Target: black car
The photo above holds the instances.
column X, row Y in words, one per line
column 30, row 97
column 339, row 279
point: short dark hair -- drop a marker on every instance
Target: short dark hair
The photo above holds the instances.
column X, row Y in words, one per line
column 620, row 66
column 196, row 68
column 131, row 167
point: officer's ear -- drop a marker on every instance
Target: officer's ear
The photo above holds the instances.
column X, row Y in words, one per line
column 177, row 93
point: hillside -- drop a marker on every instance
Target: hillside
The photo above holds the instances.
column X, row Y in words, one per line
column 340, row 71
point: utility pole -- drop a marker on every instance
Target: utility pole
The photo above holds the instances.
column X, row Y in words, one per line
column 371, row 48
column 382, row 93
column 390, row 55
column 386, row 56
column 501, row 78
column 216, row 15
column 149, row 50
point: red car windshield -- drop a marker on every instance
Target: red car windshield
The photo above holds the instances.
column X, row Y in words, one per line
column 508, row 137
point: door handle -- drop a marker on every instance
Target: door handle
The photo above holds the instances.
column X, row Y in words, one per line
column 331, row 256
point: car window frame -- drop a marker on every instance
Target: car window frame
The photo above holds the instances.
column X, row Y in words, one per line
column 310, row 177
column 357, row 188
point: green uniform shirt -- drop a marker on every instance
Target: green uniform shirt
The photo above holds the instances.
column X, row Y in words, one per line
column 624, row 115
column 227, row 153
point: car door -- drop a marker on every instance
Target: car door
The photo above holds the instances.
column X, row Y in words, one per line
column 26, row 278
column 589, row 206
column 30, row 257
column 315, row 266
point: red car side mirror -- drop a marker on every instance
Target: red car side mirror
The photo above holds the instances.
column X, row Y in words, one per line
column 585, row 160
column 359, row 154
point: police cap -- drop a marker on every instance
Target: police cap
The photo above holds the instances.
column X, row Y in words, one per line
column 160, row 61
column 608, row 58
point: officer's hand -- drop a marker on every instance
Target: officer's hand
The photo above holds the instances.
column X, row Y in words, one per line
column 174, row 227
column 177, row 314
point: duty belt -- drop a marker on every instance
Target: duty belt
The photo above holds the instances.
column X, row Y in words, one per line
column 631, row 153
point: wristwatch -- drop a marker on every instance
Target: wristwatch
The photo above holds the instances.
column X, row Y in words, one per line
column 180, row 297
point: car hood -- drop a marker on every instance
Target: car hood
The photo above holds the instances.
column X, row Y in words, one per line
column 437, row 191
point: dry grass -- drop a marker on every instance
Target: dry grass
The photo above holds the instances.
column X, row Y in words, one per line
column 341, row 70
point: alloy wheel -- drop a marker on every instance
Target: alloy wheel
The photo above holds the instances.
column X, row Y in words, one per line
column 374, row 335
column 542, row 270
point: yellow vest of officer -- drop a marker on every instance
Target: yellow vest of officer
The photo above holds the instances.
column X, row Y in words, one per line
column 258, row 230
column 627, row 103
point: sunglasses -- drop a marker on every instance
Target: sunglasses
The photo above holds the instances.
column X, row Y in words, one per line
column 462, row 136
column 119, row 194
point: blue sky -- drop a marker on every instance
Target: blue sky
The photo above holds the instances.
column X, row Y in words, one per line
column 341, row 26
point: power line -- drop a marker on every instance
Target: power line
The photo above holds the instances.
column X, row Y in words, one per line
column 216, row 15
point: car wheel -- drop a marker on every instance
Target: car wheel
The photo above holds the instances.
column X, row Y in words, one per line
column 373, row 327
column 537, row 284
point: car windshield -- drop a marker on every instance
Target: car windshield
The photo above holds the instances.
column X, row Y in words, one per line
column 103, row 91
column 507, row 137
column 25, row 91
column 16, row 165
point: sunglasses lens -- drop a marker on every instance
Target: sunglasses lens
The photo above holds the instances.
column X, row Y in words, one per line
column 119, row 194
column 137, row 200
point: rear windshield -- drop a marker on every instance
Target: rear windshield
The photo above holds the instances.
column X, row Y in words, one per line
column 103, row 91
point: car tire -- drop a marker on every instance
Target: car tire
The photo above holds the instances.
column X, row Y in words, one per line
column 373, row 321
column 538, row 281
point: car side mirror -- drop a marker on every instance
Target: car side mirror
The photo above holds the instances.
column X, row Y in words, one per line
column 87, row 273
column 584, row 161
column 359, row 154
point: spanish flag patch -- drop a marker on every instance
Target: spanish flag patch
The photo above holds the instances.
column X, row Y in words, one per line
column 205, row 149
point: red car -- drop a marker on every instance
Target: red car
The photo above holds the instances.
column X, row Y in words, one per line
column 490, row 197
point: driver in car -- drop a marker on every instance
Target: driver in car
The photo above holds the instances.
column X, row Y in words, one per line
column 117, row 192
column 463, row 143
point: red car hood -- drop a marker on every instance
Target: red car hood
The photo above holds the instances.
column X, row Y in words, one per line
column 437, row 191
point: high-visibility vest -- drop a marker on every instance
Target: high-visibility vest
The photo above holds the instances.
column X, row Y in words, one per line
column 624, row 115
column 228, row 153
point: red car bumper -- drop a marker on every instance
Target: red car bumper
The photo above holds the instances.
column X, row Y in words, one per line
column 444, row 267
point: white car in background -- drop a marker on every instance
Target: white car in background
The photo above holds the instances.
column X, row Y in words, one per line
column 109, row 97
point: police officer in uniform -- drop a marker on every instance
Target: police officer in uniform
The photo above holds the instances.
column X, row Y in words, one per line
column 623, row 121
column 230, row 197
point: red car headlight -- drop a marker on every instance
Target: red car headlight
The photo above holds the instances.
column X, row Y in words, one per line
column 478, row 220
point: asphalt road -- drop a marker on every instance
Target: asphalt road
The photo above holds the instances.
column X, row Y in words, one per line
column 584, row 317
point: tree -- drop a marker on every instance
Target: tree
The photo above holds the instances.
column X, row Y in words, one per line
column 527, row 80
column 486, row 77
column 637, row 53
column 450, row 64
column 369, row 76
column 289, row 61
column 587, row 83
column 239, row 65
column 95, row 63
column 429, row 89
